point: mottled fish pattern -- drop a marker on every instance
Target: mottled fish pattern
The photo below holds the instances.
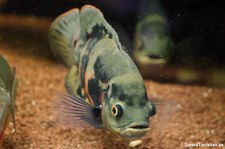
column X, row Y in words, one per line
column 105, row 87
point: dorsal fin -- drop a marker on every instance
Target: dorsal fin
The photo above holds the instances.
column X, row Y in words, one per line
column 72, row 26
column 63, row 35
column 94, row 25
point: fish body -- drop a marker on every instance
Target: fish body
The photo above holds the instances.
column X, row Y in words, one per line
column 152, row 41
column 8, row 85
column 161, row 59
column 106, row 89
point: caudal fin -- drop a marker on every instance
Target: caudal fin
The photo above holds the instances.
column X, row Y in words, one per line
column 63, row 35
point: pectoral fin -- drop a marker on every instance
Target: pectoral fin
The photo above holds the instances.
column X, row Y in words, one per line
column 73, row 112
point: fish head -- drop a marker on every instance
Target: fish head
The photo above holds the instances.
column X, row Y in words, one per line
column 126, row 110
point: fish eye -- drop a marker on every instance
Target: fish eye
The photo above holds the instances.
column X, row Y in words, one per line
column 117, row 110
column 153, row 110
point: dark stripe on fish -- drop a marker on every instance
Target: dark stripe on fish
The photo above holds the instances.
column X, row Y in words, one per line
column 65, row 22
column 55, row 37
column 95, row 91
column 99, row 31
column 116, row 93
column 62, row 26
column 99, row 73
column 84, row 63
column 129, row 97
column 58, row 31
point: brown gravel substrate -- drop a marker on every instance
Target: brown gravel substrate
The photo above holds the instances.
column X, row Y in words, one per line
column 190, row 114
column 187, row 114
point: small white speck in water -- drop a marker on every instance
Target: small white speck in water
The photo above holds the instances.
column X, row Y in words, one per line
column 135, row 143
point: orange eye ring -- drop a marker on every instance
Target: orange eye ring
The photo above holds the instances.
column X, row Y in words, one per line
column 117, row 110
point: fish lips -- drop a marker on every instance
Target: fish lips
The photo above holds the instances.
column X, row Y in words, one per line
column 134, row 130
column 149, row 59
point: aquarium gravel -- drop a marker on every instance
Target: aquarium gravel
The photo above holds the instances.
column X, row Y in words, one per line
column 196, row 115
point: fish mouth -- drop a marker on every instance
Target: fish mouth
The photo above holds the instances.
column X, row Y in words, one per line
column 156, row 59
column 150, row 59
column 135, row 130
column 155, row 56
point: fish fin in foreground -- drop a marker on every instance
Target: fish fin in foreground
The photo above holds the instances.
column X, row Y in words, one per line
column 73, row 112
column 6, row 73
column 166, row 109
column 63, row 35
column 13, row 97
column 9, row 83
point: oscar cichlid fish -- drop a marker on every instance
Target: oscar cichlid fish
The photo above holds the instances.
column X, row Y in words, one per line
column 106, row 90
column 152, row 41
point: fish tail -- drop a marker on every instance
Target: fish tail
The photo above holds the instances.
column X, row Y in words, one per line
column 63, row 35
